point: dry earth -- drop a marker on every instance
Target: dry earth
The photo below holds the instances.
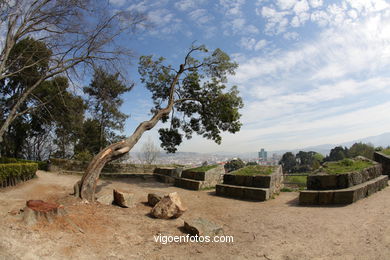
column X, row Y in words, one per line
column 276, row 229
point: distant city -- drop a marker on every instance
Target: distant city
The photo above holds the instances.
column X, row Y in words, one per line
column 195, row 159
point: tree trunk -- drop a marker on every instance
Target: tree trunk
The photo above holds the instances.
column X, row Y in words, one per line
column 91, row 176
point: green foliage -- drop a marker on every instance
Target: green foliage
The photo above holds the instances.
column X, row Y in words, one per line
column 301, row 162
column 84, row 156
column 251, row 163
column 255, row 170
column 17, row 170
column 234, row 165
column 41, row 165
column 204, row 168
column 346, row 165
column 288, row 161
column 337, row 153
column 202, row 102
column 361, row 149
column 386, row 151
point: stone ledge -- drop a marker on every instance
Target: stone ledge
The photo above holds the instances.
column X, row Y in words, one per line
column 342, row 196
column 164, row 178
column 343, row 180
column 188, row 184
column 242, row 192
column 384, row 160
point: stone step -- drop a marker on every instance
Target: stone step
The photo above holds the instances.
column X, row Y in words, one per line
column 164, row 178
column 188, row 184
column 242, row 192
column 343, row 196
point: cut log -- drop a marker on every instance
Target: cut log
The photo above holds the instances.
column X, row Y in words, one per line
column 38, row 210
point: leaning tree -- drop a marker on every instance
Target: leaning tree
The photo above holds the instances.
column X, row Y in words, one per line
column 192, row 98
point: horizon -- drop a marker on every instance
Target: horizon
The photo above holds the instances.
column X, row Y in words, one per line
column 310, row 72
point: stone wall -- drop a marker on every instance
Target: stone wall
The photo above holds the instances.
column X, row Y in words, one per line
column 209, row 178
column 63, row 165
column 384, row 160
column 345, row 180
column 274, row 181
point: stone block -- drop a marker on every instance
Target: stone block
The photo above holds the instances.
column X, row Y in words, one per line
column 123, row 199
column 202, row 227
column 188, row 184
column 262, row 181
column 308, row 197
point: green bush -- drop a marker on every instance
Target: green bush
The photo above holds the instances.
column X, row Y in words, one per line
column 41, row 165
column 17, row 170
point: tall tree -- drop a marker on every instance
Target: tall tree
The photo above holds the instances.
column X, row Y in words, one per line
column 77, row 33
column 193, row 97
column 105, row 93
column 362, row 149
column 288, row 162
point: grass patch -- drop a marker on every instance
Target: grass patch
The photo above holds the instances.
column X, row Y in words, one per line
column 204, row 168
column 255, row 170
column 208, row 188
column 386, row 151
column 298, row 180
column 346, row 165
column 285, row 189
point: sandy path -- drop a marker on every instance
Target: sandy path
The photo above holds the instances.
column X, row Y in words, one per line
column 276, row 229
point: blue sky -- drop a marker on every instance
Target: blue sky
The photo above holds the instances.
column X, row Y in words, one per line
column 310, row 71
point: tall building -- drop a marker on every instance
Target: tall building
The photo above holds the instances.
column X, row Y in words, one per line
column 262, row 155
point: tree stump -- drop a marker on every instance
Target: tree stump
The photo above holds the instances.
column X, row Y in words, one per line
column 37, row 210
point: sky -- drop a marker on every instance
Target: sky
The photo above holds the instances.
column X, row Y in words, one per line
column 310, row 72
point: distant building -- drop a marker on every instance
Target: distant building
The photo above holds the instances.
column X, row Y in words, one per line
column 262, row 155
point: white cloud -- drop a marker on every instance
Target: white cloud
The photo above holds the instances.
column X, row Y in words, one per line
column 291, row 35
column 285, row 4
column 316, row 3
column 276, row 21
column 252, row 44
column 185, row 5
column 200, row 16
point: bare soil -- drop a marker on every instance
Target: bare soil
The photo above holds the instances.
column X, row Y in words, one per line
column 276, row 229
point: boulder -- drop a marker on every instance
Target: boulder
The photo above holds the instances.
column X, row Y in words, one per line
column 123, row 199
column 169, row 206
column 202, row 227
column 154, row 198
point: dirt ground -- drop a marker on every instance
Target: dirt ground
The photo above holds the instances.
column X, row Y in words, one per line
column 276, row 229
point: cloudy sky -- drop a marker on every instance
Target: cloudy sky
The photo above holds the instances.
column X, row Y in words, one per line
column 310, row 71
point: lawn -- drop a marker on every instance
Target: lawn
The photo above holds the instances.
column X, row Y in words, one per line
column 297, row 180
column 255, row 170
column 346, row 165
column 204, row 168
column 386, row 151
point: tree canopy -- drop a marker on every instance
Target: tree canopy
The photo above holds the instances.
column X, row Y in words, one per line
column 201, row 102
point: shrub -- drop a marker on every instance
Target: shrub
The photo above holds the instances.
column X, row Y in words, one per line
column 17, row 170
column 41, row 165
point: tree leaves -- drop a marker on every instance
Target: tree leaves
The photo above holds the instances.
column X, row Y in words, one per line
column 201, row 102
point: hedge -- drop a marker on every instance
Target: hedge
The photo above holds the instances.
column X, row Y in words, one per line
column 41, row 165
column 12, row 173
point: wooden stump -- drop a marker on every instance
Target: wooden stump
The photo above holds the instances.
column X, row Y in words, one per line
column 37, row 210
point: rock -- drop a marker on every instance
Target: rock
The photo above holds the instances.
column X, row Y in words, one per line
column 37, row 210
column 105, row 199
column 154, row 198
column 123, row 199
column 169, row 206
column 202, row 227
